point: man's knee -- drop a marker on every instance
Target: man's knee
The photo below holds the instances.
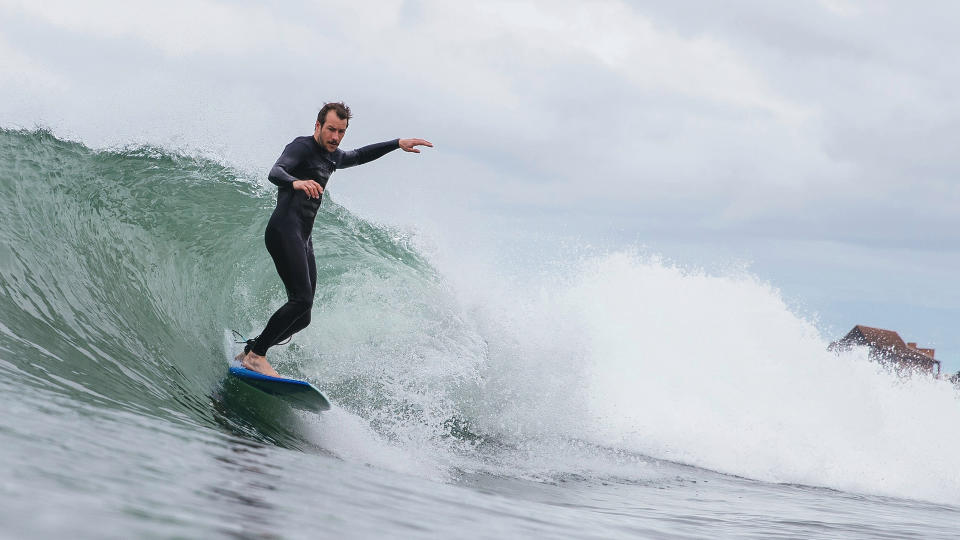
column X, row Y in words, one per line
column 302, row 304
column 303, row 307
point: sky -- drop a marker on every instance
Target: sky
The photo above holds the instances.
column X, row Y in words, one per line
column 813, row 142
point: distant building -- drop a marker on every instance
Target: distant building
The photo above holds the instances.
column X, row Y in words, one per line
column 887, row 347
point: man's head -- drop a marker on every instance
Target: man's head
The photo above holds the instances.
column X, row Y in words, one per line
column 332, row 122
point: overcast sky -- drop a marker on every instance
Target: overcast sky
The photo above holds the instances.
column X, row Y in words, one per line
column 815, row 141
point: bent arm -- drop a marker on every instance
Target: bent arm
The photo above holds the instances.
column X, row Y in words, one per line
column 288, row 160
column 367, row 153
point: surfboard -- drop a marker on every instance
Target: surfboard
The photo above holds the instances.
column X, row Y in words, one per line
column 299, row 394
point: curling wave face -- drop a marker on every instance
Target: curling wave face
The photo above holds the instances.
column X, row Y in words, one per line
column 122, row 269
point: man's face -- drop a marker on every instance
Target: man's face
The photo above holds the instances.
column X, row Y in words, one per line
column 331, row 132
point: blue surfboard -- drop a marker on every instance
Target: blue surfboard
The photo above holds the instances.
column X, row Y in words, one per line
column 297, row 393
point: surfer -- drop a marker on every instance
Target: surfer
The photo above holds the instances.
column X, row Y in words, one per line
column 301, row 174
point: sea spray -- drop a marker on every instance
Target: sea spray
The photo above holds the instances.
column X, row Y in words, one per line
column 631, row 353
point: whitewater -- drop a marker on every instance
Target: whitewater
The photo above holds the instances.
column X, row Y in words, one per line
column 614, row 394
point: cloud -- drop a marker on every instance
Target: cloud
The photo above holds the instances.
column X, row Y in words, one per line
column 802, row 116
column 176, row 28
column 760, row 131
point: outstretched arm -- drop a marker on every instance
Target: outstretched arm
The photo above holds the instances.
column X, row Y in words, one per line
column 371, row 152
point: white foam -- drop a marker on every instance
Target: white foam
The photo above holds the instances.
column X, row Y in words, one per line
column 351, row 438
column 717, row 372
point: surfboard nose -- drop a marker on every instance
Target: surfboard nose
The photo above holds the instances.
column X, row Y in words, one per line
column 298, row 394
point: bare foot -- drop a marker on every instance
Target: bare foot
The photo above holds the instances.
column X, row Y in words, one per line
column 255, row 362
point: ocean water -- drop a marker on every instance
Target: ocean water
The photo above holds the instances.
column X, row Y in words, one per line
column 619, row 396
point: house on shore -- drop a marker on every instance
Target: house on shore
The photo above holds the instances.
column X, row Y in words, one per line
column 887, row 347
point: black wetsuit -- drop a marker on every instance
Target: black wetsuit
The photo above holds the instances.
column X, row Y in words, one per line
column 288, row 232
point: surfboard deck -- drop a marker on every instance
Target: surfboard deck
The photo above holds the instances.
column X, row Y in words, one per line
column 297, row 393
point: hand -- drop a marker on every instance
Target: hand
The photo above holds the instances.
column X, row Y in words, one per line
column 407, row 145
column 310, row 187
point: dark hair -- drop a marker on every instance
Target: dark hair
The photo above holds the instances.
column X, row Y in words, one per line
column 343, row 112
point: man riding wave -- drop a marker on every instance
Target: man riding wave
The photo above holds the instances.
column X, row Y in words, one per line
column 301, row 174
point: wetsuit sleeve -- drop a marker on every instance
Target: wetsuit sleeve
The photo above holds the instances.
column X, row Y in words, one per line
column 293, row 154
column 367, row 153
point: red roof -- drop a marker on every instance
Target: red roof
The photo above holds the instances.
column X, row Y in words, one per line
column 886, row 344
column 880, row 338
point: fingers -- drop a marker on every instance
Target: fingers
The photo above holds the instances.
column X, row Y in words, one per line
column 311, row 188
column 407, row 145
